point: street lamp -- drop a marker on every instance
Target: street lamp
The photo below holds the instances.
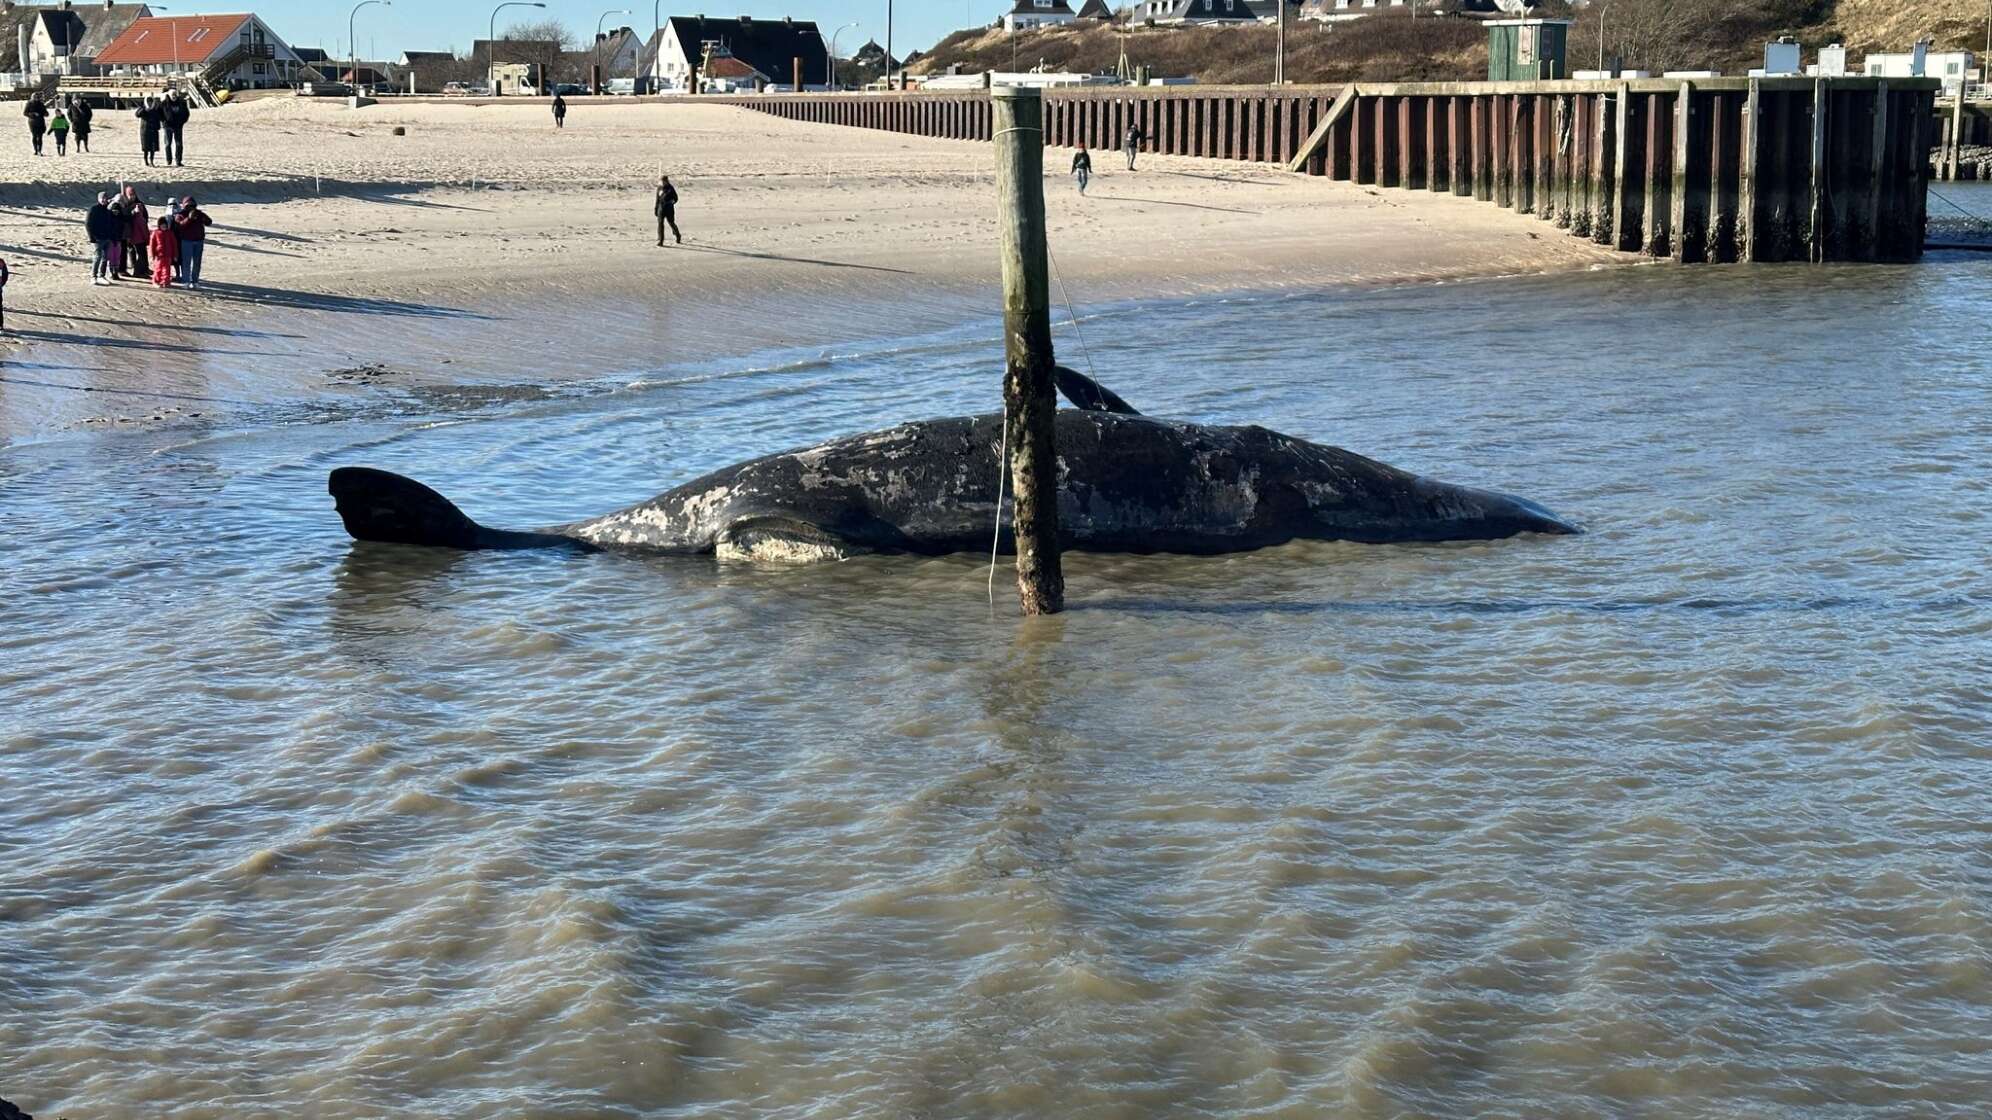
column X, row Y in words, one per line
column 848, row 26
column 598, row 45
column 491, row 60
column 1602, row 14
column 888, row 44
column 353, row 43
column 172, row 31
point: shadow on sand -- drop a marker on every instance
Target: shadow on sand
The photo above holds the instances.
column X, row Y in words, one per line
column 225, row 332
column 793, row 260
column 345, row 305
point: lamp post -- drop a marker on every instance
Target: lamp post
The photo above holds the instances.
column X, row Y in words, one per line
column 1602, row 14
column 603, row 18
column 848, row 26
column 172, row 32
column 491, row 61
column 888, row 44
column 354, row 43
column 1279, row 69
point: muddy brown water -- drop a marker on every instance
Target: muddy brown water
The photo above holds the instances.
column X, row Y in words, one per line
column 1685, row 817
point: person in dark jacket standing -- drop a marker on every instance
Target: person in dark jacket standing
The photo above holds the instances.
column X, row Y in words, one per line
column 190, row 225
column 1082, row 168
column 667, row 211
column 174, row 114
column 37, row 114
column 103, row 228
column 138, row 234
column 559, row 111
column 80, row 115
column 150, row 118
column 1133, row 143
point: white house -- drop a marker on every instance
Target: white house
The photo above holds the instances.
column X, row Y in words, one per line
column 1029, row 14
column 66, row 39
column 770, row 48
column 241, row 50
column 1952, row 68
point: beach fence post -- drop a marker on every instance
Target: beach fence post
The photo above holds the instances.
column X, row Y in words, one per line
column 1030, row 401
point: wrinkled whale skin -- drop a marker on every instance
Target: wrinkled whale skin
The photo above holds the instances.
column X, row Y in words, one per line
column 1127, row 483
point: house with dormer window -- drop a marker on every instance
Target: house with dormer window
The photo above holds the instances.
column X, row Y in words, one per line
column 1030, row 14
column 238, row 51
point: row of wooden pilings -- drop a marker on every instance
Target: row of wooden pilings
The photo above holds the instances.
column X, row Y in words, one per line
column 1699, row 170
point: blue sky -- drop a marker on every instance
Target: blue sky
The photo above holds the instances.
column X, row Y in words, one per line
column 440, row 24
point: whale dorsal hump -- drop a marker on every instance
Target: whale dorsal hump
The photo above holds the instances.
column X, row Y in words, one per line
column 1088, row 394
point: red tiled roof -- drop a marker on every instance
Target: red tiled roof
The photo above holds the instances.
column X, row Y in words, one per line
column 727, row 66
column 150, row 41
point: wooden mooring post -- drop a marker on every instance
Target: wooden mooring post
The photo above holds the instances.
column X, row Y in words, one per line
column 1030, row 401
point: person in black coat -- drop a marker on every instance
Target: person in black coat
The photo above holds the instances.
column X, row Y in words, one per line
column 559, row 111
column 1082, row 168
column 80, row 114
column 37, row 114
column 103, row 227
column 151, row 117
column 667, row 211
column 174, row 114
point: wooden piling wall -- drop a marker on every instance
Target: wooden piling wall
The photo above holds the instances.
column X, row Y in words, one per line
column 1696, row 170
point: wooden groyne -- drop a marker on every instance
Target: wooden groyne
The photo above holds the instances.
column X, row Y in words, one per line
column 1696, row 170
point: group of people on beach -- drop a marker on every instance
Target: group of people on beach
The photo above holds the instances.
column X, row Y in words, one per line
column 158, row 117
column 68, row 115
column 1082, row 161
column 125, row 238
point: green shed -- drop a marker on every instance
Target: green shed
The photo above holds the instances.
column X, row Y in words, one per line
column 1527, row 50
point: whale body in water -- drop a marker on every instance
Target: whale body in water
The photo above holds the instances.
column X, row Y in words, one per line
column 1127, row 483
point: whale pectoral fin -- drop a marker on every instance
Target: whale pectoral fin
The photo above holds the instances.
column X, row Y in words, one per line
column 1088, row 394
column 781, row 540
column 388, row 508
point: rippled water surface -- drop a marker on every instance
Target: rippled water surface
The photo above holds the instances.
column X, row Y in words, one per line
column 1685, row 817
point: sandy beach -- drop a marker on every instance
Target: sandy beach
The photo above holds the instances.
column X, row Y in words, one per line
column 485, row 247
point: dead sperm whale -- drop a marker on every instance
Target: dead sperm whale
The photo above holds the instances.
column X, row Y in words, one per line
column 1127, row 483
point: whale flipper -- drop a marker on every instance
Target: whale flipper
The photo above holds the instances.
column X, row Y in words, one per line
column 1088, row 394
column 380, row 506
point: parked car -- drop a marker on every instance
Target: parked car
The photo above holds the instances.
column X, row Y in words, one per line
column 569, row 89
column 622, row 87
column 455, row 89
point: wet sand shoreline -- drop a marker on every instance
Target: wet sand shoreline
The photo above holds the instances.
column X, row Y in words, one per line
column 483, row 249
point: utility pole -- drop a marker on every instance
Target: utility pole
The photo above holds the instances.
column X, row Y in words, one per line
column 1279, row 68
column 1030, row 402
column 888, row 44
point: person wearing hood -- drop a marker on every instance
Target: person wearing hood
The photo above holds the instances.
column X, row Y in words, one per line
column 667, row 210
column 151, row 116
column 102, row 227
column 559, row 111
column 80, row 115
column 138, row 234
column 190, row 232
column 37, row 114
column 174, row 115
column 165, row 252
column 59, row 125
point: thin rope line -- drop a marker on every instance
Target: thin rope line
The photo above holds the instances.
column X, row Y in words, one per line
column 1017, row 128
column 1002, row 476
column 1070, row 315
column 1947, row 202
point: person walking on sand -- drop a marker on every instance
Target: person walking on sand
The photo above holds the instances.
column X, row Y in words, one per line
column 190, row 236
column 1082, row 168
column 667, row 211
column 3, row 295
column 102, row 227
column 165, row 252
column 37, row 114
column 80, row 116
column 138, row 232
column 1133, row 143
column 150, row 118
column 559, row 111
column 59, row 125
column 174, row 115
